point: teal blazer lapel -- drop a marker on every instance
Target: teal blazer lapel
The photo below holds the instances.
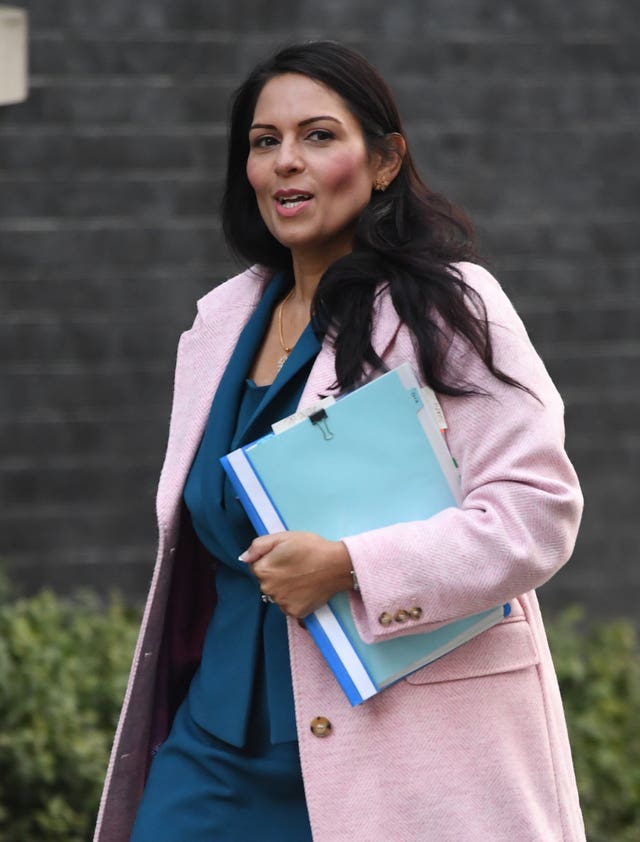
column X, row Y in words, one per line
column 224, row 409
column 305, row 349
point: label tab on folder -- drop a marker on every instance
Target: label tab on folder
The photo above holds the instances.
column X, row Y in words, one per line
column 433, row 403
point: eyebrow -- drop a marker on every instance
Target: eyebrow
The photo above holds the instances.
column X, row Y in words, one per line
column 301, row 123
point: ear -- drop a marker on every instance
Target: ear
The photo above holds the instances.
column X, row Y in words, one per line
column 389, row 161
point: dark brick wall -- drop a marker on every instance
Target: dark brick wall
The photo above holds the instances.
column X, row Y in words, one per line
column 525, row 113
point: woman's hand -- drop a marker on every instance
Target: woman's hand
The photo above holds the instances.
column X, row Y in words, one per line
column 300, row 571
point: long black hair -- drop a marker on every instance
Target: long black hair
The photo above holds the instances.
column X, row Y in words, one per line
column 408, row 239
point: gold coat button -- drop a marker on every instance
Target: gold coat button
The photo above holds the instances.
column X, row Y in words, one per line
column 401, row 616
column 320, row 726
column 415, row 612
column 385, row 619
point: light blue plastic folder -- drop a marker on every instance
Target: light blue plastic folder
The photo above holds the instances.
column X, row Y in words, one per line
column 373, row 458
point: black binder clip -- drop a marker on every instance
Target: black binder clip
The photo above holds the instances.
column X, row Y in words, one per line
column 321, row 420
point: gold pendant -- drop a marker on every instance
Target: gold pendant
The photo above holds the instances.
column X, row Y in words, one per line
column 282, row 361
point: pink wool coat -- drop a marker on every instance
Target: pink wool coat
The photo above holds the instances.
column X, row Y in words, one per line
column 472, row 748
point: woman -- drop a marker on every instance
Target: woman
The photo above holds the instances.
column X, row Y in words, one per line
column 322, row 196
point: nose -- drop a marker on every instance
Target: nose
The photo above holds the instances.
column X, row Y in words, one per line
column 288, row 159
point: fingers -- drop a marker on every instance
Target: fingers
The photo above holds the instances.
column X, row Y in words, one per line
column 259, row 547
column 277, row 561
column 299, row 570
column 258, row 556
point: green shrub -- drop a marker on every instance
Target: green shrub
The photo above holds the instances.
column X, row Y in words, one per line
column 599, row 674
column 63, row 667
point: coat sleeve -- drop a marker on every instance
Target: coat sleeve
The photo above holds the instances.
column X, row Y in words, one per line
column 521, row 498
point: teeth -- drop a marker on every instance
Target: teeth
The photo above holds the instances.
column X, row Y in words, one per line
column 292, row 201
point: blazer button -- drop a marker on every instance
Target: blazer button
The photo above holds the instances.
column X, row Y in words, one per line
column 320, row 726
column 385, row 619
column 401, row 616
column 415, row 612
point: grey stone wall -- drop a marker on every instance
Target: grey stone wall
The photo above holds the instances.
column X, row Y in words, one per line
column 525, row 113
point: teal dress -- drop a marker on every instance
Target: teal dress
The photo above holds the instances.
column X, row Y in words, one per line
column 230, row 768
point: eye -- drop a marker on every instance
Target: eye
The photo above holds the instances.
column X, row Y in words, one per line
column 320, row 135
column 263, row 141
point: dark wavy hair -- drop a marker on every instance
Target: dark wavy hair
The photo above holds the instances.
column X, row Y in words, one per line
column 408, row 239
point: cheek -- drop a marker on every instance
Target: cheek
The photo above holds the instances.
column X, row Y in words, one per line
column 346, row 172
column 255, row 175
column 257, row 180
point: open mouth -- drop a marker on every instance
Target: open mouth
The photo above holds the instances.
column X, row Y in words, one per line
column 294, row 201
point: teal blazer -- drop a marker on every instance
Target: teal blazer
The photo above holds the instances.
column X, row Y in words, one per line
column 244, row 678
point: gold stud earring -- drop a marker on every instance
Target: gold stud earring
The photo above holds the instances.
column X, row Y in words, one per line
column 380, row 184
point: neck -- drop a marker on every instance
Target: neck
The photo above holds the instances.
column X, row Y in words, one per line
column 310, row 264
column 306, row 279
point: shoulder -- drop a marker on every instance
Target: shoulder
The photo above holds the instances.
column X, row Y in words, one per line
column 238, row 293
column 486, row 299
column 511, row 347
column 476, row 276
column 485, row 288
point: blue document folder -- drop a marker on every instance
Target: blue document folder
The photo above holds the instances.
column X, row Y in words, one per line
column 373, row 458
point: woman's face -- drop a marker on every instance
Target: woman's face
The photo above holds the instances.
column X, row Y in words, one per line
column 309, row 166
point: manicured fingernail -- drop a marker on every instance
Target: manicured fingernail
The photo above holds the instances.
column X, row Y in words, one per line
column 243, row 556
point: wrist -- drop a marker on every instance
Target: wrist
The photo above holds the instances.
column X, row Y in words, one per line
column 343, row 566
column 355, row 586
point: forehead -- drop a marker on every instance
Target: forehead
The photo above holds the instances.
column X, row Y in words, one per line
column 294, row 97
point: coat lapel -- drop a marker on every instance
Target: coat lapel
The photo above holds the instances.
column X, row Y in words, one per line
column 204, row 353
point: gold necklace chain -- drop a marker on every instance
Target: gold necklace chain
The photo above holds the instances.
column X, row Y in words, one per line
column 285, row 350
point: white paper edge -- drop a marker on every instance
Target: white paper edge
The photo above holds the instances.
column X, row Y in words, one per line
column 255, row 491
column 345, row 652
column 430, row 425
